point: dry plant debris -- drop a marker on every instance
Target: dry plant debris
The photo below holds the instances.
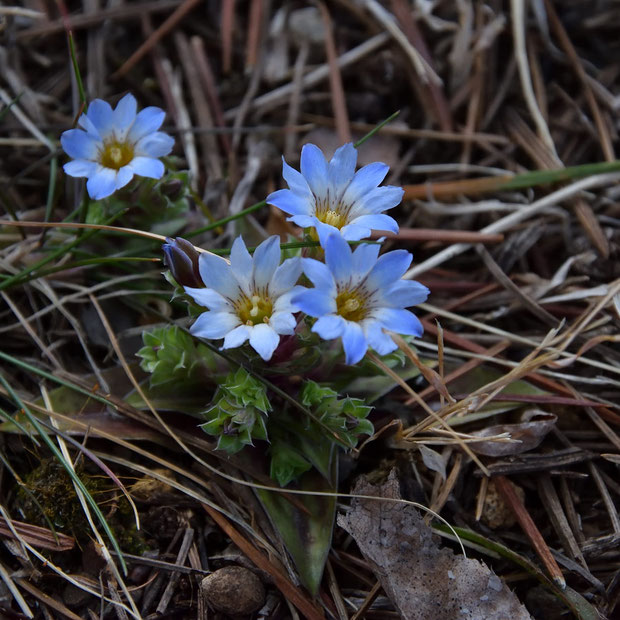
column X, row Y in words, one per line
column 506, row 148
column 423, row 579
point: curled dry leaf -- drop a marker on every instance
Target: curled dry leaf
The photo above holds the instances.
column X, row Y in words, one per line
column 423, row 580
column 526, row 434
column 433, row 460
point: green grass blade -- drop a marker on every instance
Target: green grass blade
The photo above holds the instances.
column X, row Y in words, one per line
column 373, row 131
column 76, row 68
column 230, row 218
column 545, row 177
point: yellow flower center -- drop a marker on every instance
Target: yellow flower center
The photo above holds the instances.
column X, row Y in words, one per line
column 333, row 218
column 254, row 310
column 351, row 305
column 116, row 154
column 332, row 212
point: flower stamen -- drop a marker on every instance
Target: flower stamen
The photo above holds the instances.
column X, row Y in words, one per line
column 116, row 154
column 254, row 310
column 351, row 305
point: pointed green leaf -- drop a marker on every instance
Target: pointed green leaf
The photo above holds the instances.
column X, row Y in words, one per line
column 307, row 536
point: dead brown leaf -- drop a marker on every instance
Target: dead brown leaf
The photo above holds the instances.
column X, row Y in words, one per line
column 527, row 434
column 423, row 580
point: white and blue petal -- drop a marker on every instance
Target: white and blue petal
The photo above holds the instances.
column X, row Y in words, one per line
column 89, row 126
column 285, row 276
column 372, row 221
column 315, row 302
column 101, row 115
column 341, row 170
column 365, row 180
column 314, row 169
column 284, row 302
column 319, row 274
column 405, row 293
column 377, row 200
column 290, row 202
column 305, row 221
column 214, row 325
column 123, row 176
column 147, row 167
column 102, row 183
column 236, row 337
column 329, row 326
column 353, row 342
column 209, row 298
column 147, row 121
column 364, row 259
column 377, row 338
column 399, row 320
column 283, row 323
column 296, row 182
column 241, row 264
column 353, row 232
column 124, row 116
column 338, row 257
column 266, row 260
column 264, row 340
column 80, row 168
column 155, row 144
column 389, row 268
column 217, row 274
column 80, row 145
column 324, row 230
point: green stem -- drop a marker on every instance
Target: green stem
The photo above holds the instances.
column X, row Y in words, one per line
column 373, row 131
column 254, row 207
column 76, row 68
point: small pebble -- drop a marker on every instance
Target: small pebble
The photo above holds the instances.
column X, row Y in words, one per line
column 233, row 590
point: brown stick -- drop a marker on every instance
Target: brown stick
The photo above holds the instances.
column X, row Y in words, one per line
column 507, row 491
column 122, row 12
column 451, row 188
column 565, row 42
column 159, row 34
column 335, row 80
column 443, row 236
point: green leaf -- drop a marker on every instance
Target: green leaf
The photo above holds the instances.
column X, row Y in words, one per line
column 172, row 356
column 247, row 390
column 307, row 534
column 237, row 415
column 345, row 416
column 169, row 398
column 287, row 464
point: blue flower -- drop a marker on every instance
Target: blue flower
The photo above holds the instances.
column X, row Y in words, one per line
column 248, row 299
column 332, row 196
column 116, row 144
column 357, row 297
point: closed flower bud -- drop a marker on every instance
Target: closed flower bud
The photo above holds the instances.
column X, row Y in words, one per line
column 182, row 260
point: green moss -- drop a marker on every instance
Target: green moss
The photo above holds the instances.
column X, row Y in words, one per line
column 52, row 488
column 49, row 497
